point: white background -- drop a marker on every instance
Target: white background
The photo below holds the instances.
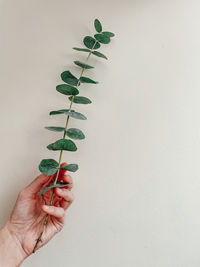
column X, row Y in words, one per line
column 138, row 187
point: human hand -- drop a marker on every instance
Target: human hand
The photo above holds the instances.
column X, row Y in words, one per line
column 27, row 217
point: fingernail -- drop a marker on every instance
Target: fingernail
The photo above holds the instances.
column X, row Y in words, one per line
column 59, row 190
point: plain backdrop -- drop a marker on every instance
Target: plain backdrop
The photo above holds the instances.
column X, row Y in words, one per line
column 138, row 187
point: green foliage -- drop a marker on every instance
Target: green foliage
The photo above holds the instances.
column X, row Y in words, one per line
column 98, row 54
column 83, row 65
column 70, row 167
column 91, row 43
column 87, row 80
column 55, row 129
column 109, row 34
column 81, row 49
column 48, row 166
column 58, row 185
column 63, row 144
column 80, row 100
column 97, row 25
column 75, row 133
column 102, row 38
column 67, row 89
column 69, row 78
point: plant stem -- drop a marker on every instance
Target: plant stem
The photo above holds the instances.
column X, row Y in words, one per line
column 60, row 156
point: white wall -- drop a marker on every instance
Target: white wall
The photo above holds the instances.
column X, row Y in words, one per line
column 138, row 188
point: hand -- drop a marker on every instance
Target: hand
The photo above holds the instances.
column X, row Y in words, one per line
column 27, row 217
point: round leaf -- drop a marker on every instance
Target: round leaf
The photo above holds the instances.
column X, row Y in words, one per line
column 98, row 54
column 102, row 38
column 55, row 129
column 70, row 167
column 63, row 144
column 58, row 185
column 69, row 78
column 91, row 43
column 97, row 25
column 70, row 113
column 75, row 134
column 66, row 89
column 109, row 34
column 87, row 80
column 48, row 166
column 83, row 65
column 80, row 100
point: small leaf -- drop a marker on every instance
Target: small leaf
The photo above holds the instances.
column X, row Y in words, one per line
column 70, row 113
column 75, row 134
column 77, row 115
column 70, row 167
column 97, row 25
column 91, row 43
column 83, row 65
column 81, row 49
column 48, row 166
column 109, row 34
column 66, row 89
column 58, row 185
column 69, row 78
column 87, row 80
column 98, row 54
column 63, row 144
column 102, row 38
column 55, row 129
column 80, row 100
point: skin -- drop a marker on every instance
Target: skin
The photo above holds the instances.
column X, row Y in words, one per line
column 19, row 234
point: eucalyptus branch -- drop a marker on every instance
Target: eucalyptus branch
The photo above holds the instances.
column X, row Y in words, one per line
column 50, row 166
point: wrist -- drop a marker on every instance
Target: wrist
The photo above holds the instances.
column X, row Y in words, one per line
column 11, row 251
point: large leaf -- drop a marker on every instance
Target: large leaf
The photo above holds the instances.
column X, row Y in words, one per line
column 98, row 54
column 70, row 113
column 109, row 34
column 48, row 166
column 91, row 43
column 67, row 89
column 75, row 133
column 62, row 144
column 81, row 49
column 83, row 65
column 102, row 38
column 58, row 185
column 69, row 78
column 80, row 100
column 70, row 167
column 97, row 25
column 55, row 129
column 87, row 80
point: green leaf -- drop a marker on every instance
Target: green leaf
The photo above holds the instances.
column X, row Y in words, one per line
column 80, row 100
column 48, row 166
column 102, row 38
column 98, row 54
column 70, row 167
column 69, row 78
column 89, row 42
column 109, row 34
column 63, row 144
column 66, row 89
column 87, row 80
column 83, row 65
column 97, row 25
column 70, row 113
column 81, row 49
column 75, row 134
column 58, row 185
column 55, row 129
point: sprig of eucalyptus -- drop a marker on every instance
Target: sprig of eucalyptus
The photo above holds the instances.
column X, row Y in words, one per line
column 71, row 89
